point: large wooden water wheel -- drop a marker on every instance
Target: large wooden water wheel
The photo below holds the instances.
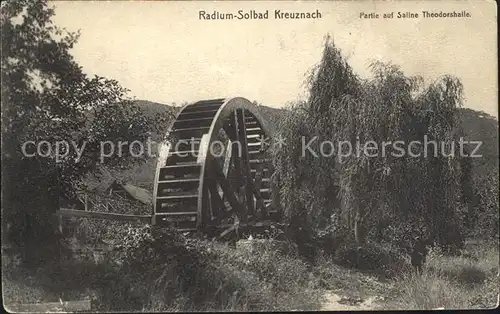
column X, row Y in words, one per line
column 214, row 170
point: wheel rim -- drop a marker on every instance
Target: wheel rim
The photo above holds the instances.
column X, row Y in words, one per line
column 197, row 186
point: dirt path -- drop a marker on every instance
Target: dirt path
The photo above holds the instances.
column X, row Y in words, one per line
column 335, row 302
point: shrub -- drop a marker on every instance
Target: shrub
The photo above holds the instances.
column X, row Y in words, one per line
column 363, row 191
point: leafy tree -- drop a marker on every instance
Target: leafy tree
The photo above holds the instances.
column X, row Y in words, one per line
column 423, row 195
column 47, row 97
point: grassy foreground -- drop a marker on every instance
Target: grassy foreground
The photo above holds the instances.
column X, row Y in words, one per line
column 162, row 271
column 470, row 280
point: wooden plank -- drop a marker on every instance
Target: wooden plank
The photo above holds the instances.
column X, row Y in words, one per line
column 102, row 215
column 64, row 306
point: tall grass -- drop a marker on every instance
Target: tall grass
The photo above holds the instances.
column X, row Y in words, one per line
column 469, row 280
column 257, row 279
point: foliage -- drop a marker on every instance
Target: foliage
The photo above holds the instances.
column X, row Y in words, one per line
column 47, row 97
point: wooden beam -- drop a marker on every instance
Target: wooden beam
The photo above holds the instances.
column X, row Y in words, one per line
column 102, row 215
column 228, row 230
column 228, row 190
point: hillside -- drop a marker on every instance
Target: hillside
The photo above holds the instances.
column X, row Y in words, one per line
column 477, row 126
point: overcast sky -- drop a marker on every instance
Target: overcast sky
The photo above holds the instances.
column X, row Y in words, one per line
column 162, row 52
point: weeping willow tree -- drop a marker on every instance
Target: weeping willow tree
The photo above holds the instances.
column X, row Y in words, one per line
column 423, row 193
